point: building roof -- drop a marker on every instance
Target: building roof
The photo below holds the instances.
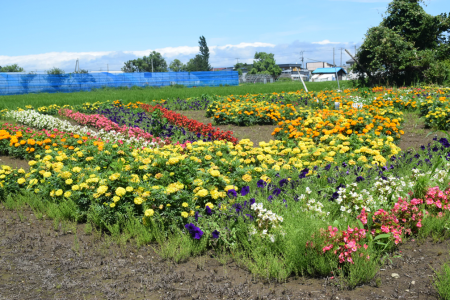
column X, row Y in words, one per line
column 289, row 65
column 328, row 70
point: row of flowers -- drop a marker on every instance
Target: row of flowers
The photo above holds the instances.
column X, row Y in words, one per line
column 194, row 126
column 37, row 120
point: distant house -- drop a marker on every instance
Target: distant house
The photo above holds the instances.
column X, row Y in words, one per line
column 328, row 74
column 311, row 66
column 350, row 62
column 292, row 67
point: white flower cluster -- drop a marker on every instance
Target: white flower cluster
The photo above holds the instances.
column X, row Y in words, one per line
column 352, row 201
column 440, row 176
column 267, row 222
column 316, row 208
column 391, row 189
column 40, row 121
column 312, row 205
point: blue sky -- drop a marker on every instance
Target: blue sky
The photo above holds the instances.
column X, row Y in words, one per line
column 43, row 34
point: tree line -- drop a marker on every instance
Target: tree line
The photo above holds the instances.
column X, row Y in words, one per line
column 264, row 63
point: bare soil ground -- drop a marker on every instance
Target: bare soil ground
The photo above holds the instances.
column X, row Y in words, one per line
column 41, row 259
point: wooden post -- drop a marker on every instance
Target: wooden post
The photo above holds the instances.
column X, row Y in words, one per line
column 356, row 61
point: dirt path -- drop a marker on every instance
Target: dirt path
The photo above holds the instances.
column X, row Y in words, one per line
column 41, row 259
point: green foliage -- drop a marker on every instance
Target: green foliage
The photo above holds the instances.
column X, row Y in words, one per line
column 201, row 61
column 152, row 63
column 442, row 282
column 409, row 19
column 177, row 66
column 264, row 63
column 55, row 71
column 408, row 46
column 11, row 68
column 239, row 66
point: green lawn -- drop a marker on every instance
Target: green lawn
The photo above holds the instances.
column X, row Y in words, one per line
column 148, row 94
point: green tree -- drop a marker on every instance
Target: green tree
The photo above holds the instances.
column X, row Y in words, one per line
column 264, row 63
column 177, row 66
column 204, row 53
column 195, row 64
column 201, row 61
column 239, row 66
column 408, row 46
column 56, row 77
column 409, row 19
column 55, row 71
column 145, row 64
column 12, row 68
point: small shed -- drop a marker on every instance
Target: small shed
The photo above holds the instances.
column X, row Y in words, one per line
column 328, row 74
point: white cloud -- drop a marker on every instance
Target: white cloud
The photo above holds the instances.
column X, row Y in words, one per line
column 325, row 42
column 220, row 55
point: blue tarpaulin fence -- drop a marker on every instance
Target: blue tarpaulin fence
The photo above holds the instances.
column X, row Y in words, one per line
column 11, row 84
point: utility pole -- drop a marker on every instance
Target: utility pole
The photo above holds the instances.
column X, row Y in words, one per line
column 334, row 65
column 355, row 49
column 77, row 66
column 341, row 57
column 301, row 53
column 299, row 75
column 152, row 64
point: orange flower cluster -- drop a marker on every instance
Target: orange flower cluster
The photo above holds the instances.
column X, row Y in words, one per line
column 347, row 121
column 43, row 139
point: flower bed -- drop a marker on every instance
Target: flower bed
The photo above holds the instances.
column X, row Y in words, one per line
column 334, row 201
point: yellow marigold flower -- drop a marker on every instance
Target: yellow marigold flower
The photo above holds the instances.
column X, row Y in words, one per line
column 202, row 193
column 21, row 180
column 214, row 173
column 116, row 198
column 138, row 200
column 67, row 194
column 247, row 178
column 59, row 192
column 158, row 176
column 114, row 176
column 32, row 162
column 102, row 189
column 112, row 204
column 208, row 157
column 120, row 191
column 76, row 169
column 184, row 214
column 229, row 187
column 129, row 189
column 149, row 213
column 69, row 181
column 192, row 213
column 185, row 204
column 47, row 174
column 210, row 205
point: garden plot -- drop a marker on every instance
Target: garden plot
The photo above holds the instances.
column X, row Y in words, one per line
column 330, row 196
